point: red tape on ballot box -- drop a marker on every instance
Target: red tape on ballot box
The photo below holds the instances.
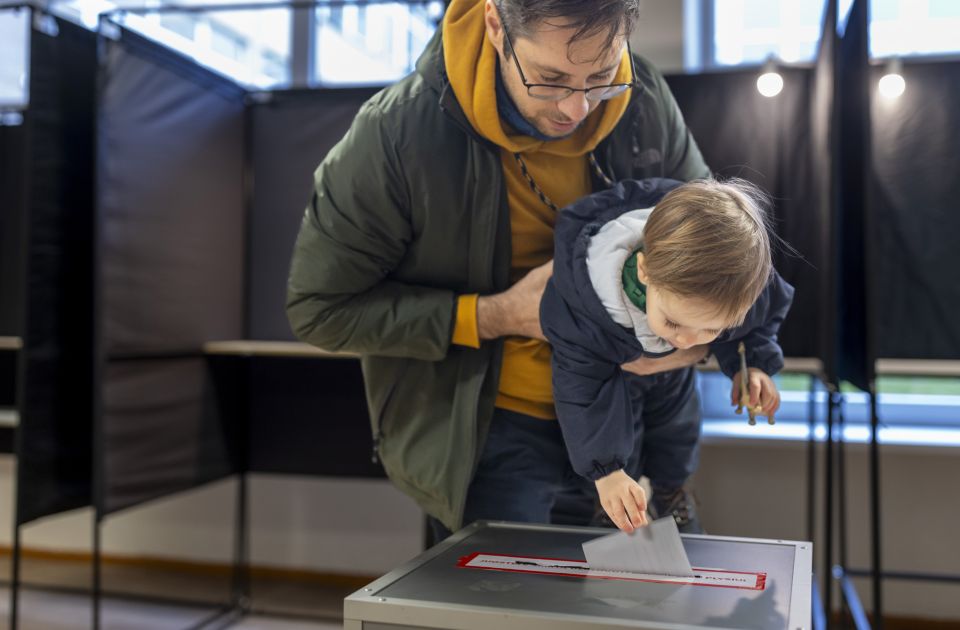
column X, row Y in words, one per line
column 578, row 568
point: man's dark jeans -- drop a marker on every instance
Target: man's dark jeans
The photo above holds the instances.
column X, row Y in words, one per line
column 524, row 473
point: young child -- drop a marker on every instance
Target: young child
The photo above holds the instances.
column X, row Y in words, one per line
column 641, row 270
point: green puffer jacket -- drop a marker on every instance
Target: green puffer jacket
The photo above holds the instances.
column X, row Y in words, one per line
column 409, row 211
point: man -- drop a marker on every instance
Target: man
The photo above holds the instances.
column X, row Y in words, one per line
column 429, row 238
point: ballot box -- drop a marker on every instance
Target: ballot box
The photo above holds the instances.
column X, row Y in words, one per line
column 511, row 576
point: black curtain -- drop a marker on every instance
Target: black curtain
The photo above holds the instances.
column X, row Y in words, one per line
column 13, row 194
column 914, row 223
column 202, row 191
column 171, row 226
column 863, row 188
column 291, row 133
column 54, row 436
column 8, row 378
column 13, row 182
column 13, row 172
column 767, row 141
column 855, row 318
column 823, row 123
column 303, row 416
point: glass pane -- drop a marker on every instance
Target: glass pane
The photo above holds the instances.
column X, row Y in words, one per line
column 927, row 385
column 15, row 53
column 883, row 10
column 902, row 28
column 761, row 14
column 250, row 46
column 183, row 25
column 382, row 41
column 913, row 410
column 944, row 8
column 794, row 398
column 749, row 31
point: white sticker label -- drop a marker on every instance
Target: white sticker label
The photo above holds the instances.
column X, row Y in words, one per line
column 580, row 569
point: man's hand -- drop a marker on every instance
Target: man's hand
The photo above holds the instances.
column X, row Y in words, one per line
column 623, row 500
column 763, row 392
column 516, row 311
column 644, row 366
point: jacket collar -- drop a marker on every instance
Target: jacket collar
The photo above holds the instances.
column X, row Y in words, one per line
column 430, row 66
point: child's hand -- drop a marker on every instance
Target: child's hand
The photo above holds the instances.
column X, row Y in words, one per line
column 623, row 500
column 763, row 392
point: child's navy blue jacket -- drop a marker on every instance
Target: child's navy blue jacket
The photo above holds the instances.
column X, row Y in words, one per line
column 590, row 390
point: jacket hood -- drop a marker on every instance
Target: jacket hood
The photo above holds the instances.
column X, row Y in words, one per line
column 576, row 229
column 607, row 253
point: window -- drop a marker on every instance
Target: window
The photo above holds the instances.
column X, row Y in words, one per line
column 914, row 27
column 15, row 69
column 749, row 31
column 251, row 46
column 352, row 43
column 381, row 41
column 183, row 25
column 912, row 409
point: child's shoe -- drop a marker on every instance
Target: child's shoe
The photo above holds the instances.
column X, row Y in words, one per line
column 679, row 503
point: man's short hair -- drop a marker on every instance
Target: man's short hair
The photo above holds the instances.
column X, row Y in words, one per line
column 588, row 17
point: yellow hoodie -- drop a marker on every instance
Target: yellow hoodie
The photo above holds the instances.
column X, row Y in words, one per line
column 559, row 167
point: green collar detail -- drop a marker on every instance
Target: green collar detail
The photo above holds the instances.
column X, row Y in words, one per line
column 635, row 290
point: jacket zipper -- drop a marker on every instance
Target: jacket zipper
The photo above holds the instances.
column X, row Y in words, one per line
column 490, row 279
column 375, row 455
column 378, row 432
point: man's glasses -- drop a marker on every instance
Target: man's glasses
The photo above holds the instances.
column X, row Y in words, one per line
column 547, row 92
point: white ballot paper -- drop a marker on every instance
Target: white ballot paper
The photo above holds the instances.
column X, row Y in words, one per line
column 655, row 549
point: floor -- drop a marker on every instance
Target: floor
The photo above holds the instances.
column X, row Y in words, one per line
column 45, row 610
column 162, row 599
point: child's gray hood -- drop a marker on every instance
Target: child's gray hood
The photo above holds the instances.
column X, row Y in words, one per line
column 607, row 253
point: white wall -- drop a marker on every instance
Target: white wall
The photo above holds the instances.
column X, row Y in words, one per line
column 746, row 488
column 758, row 488
column 659, row 34
column 339, row 526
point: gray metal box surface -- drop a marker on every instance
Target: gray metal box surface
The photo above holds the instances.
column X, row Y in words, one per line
column 432, row 591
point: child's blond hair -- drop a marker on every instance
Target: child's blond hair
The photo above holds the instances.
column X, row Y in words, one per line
column 710, row 240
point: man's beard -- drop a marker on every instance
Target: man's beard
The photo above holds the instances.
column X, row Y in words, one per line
column 561, row 136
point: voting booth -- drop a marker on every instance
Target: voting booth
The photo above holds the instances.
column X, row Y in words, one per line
column 512, row 576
